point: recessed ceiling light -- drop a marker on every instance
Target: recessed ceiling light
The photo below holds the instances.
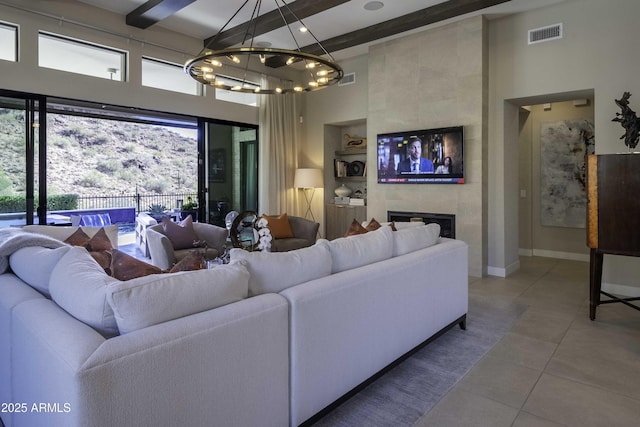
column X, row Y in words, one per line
column 263, row 44
column 373, row 5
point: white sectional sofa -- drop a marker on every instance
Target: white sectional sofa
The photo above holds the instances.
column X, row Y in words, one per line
column 316, row 323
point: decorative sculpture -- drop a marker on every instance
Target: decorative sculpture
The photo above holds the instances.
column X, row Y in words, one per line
column 628, row 120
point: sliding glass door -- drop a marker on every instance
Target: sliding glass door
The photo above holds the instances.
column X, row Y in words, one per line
column 21, row 153
column 231, row 175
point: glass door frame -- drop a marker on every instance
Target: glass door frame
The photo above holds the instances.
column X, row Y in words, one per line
column 35, row 107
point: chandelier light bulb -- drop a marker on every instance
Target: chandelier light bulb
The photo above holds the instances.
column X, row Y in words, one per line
column 214, row 54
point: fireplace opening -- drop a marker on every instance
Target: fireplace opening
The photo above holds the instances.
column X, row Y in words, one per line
column 447, row 221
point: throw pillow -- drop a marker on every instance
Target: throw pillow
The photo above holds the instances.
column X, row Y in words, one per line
column 21, row 262
column 373, row 225
column 78, row 238
column 411, row 239
column 355, row 228
column 279, row 226
column 99, row 242
column 276, row 271
column 103, row 258
column 193, row 261
column 150, row 300
column 355, row 251
column 79, row 286
column 181, row 234
column 126, row 267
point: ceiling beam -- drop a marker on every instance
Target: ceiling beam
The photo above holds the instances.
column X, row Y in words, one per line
column 154, row 11
column 270, row 21
column 420, row 18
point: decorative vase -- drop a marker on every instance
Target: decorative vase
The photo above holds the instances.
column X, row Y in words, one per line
column 342, row 191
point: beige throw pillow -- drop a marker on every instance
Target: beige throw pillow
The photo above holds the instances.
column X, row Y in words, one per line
column 181, row 234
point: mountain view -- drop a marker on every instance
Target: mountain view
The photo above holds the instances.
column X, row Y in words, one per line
column 97, row 157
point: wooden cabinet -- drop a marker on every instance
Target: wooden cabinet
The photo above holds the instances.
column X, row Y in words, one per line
column 339, row 218
column 613, row 217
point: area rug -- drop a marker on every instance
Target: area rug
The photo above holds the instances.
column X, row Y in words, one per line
column 411, row 389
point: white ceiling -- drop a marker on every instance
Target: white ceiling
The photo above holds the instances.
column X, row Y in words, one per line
column 204, row 18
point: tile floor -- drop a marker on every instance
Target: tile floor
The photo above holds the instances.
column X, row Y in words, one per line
column 555, row 367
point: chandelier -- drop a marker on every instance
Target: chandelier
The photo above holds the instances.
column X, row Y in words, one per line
column 316, row 72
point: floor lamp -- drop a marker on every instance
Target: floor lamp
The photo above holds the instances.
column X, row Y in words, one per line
column 308, row 179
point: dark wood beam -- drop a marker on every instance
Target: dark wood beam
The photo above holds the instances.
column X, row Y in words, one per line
column 154, row 11
column 270, row 21
column 430, row 15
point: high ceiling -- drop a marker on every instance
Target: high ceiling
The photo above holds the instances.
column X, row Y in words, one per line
column 345, row 27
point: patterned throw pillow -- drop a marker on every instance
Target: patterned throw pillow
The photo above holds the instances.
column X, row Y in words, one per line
column 355, row 228
column 78, row 238
column 373, row 225
column 279, row 226
column 126, row 267
column 99, row 242
column 181, row 234
column 193, row 261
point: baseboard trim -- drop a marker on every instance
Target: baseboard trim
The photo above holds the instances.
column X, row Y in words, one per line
column 504, row 272
column 622, row 290
column 554, row 254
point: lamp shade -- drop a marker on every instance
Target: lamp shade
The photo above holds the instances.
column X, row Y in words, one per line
column 308, row 178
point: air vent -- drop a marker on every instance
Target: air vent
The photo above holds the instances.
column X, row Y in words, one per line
column 347, row 79
column 545, row 34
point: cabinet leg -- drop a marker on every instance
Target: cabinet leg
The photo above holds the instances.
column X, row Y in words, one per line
column 595, row 281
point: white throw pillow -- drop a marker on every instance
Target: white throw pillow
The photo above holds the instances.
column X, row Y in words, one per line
column 157, row 298
column 79, row 285
column 362, row 249
column 23, row 262
column 413, row 238
column 277, row 271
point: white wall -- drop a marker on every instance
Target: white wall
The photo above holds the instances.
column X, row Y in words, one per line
column 107, row 29
column 596, row 54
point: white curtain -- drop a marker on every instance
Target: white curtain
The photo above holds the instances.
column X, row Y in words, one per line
column 278, row 154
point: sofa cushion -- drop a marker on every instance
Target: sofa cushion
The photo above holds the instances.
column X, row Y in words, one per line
column 181, row 234
column 279, row 226
column 126, row 267
column 22, row 264
column 355, row 251
column 276, row 271
column 411, row 239
column 158, row 298
column 79, row 285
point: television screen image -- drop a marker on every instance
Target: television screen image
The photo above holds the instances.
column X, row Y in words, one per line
column 430, row 156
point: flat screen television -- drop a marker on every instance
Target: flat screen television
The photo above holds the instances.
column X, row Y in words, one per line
column 430, row 156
